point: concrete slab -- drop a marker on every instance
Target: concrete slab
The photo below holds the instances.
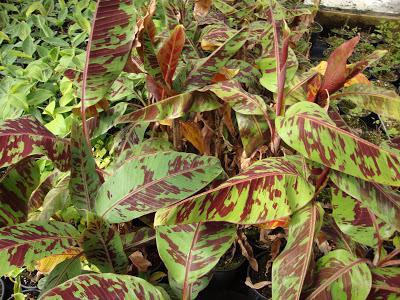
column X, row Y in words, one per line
column 391, row 7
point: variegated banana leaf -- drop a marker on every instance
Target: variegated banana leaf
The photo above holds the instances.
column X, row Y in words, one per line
column 385, row 283
column 62, row 272
column 379, row 100
column 152, row 182
column 342, row 276
column 204, row 69
column 253, row 132
column 290, row 268
column 16, row 187
column 105, row 286
column 307, row 128
column 102, row 246
column 54, row 200
column 37, row 196
column 334, row 234
column 355, row 220
column 108, row 48
column 25, row 137
column 267, row 66
column 170, row 108
column 383, row 201
column 128, row 137
column 138, row 238
column 191, row 251
column 232, row 93
column 356, row 68
column 84, row 180
column 26, row 243
column 270, row 189
column 101, row 124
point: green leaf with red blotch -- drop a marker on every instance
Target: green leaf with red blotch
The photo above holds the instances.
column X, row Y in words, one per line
column 169, row 53
column 105, row 286
column 342, row 276
column 382, row 201
column 307, row 128
column 379, row 100
column 102, row 246
column 385, row 283
column 191, row 251
column 290, row 268
column 25, row 137
column 336, row 73
column 232, row 93
column 356, row 68
column 171, row 108
column 64, row 271
column 16, row 187
column 153, row 181
column 253, row 131
column 267, row 66
column 354, row 220
column 138, row 238
column 100, row 124
column 84, row 180
column 108, row 48
column 205, row 68
column 270, row 189
column 37, row 196
column 26, row 243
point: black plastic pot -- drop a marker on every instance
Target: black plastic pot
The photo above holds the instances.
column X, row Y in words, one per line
column 223, row 278
column 316, row 30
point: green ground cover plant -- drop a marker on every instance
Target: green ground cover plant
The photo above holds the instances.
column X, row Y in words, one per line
column 184, row 123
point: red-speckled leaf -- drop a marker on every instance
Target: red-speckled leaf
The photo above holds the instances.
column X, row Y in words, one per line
column 341, row 276
column 354, row 219
column 102, row 246
column 153, row 181
column 138, row 238
column 308, row 129
column 385, row 283
column 109, row 46
column 205, row 68
column 25, row 137
column 191, row 251
column 336, row 74
column 169, row 53
column 38, row 195
column 171, row 108
column 334, row 234
column 105, row 286
column 253, row 131
column 16, row 186
column 379, row 100
column 128, row 137
column 383, row 201
column 270, row 189
column 84, row 181
column 26, row 243
column 290, row 268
